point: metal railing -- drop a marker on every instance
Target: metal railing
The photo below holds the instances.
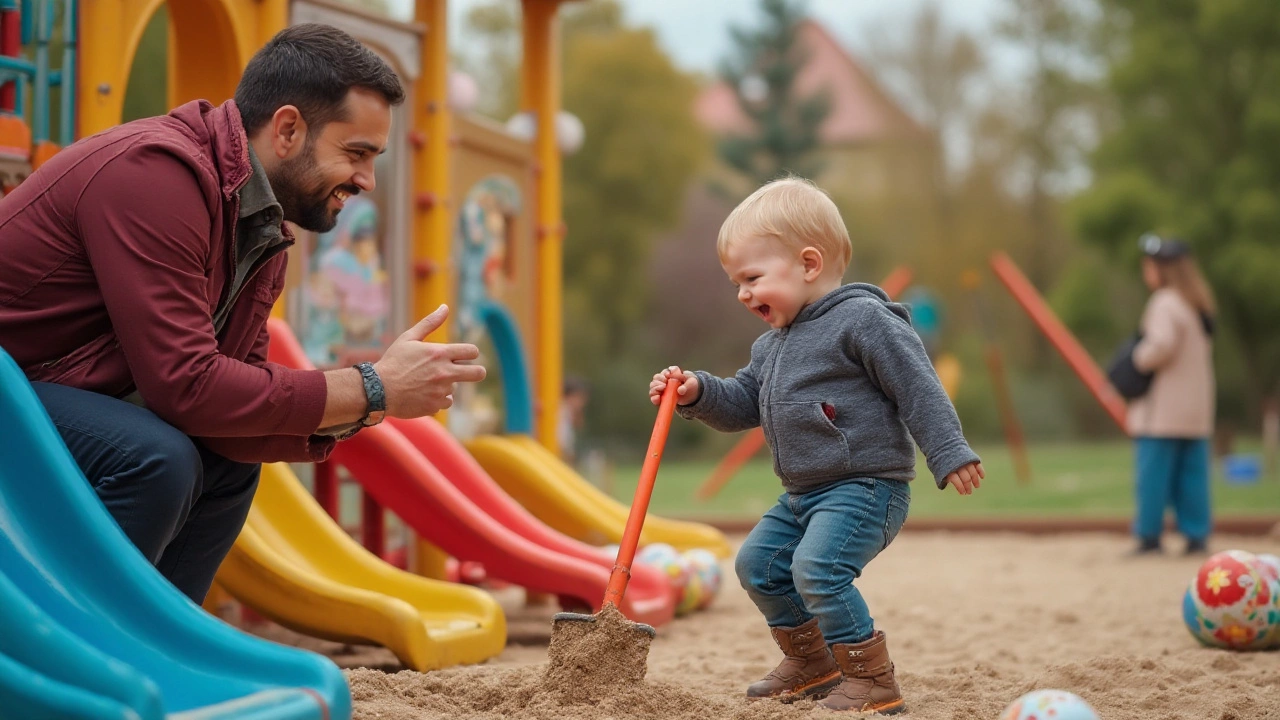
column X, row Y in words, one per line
column 31, row 24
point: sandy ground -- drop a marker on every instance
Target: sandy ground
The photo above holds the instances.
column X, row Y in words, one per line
column 973, row 621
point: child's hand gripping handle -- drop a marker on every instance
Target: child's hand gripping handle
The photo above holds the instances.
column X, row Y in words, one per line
column 640, row 503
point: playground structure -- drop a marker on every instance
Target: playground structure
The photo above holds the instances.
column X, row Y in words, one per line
column 466, row 213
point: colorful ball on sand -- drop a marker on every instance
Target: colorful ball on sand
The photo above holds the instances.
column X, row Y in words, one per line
column 692, row 593
column 667, row 559
column 1231, row 603
column 1046, row 704
column 704, row 564
column 1269, row 565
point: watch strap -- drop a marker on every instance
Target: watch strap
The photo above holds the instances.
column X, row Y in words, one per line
column 374, row 392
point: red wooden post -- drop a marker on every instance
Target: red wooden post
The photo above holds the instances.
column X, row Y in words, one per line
column 373, row 524
column 326, row 481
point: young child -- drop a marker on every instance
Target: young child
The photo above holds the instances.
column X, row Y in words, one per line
column 836, row 385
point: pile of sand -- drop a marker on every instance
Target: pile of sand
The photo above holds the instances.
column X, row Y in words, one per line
column 973, row 622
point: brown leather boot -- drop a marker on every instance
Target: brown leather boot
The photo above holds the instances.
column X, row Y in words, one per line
column 868, row 684
column 806, row 670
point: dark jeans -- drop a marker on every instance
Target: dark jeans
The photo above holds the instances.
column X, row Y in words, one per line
column 801, row 559
column 180, row 504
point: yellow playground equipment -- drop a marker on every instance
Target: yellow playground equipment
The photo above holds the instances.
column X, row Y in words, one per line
column 294, row 565
column 467, row 212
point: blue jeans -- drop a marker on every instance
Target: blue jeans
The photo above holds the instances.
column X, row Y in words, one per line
column 1172, row 471
column 180, row 504
column 801, row 559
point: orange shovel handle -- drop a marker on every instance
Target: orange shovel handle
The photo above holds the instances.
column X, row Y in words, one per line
column 640, row 503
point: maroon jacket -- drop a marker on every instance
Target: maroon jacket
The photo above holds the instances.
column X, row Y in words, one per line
column 114, row 257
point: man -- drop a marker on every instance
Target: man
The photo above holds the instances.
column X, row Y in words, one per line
column 141, row 264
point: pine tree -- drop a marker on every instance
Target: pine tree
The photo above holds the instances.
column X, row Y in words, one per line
column 762, row 71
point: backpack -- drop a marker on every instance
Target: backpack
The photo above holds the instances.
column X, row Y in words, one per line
column 1130, row 382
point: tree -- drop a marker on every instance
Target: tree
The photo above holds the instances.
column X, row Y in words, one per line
column 622, row 189
column 1050, row 122
column 496, row 26
column 935, row 71
column 1195, row 151
column 762, row 73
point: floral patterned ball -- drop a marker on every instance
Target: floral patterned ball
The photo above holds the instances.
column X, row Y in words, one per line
column 706, row 566
column 1230, row 603
column 1049, row 705
column 667, row 559
column 692, row 593
column 1269, row 565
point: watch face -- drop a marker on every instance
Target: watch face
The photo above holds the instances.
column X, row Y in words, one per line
column 375, row 417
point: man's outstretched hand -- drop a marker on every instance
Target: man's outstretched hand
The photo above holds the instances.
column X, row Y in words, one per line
column 418, row 376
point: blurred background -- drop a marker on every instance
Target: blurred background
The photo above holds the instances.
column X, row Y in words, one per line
column 1056, row 131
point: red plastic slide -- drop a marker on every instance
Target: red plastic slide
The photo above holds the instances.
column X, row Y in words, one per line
column 450, row 501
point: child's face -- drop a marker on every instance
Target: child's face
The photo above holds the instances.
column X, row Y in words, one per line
column 774, row 282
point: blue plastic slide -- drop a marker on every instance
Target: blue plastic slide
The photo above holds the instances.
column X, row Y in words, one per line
column 89, row 629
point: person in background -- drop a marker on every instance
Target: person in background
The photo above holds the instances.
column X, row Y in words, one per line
column 1172, row 422
column 573, row 407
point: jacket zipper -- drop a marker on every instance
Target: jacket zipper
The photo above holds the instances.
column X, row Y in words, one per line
column 773, row 374
column 248, row 280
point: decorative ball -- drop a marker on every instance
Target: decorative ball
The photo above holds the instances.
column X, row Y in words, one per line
column 1269, row 565
column 463, row 92
column 692, row 596
column 1272, row 562
column 706, row 566
column 667, row 559
column 1049, row 704
column 1230, row 603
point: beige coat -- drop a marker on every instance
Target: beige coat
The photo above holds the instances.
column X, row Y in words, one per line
column 1180, row 403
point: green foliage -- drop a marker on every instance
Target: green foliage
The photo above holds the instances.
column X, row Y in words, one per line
column 496, row 26
column 1195, row 151
column 785, row 125
column 147, row 93
column 623, row 188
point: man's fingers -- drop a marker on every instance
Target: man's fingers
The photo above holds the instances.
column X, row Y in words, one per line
column 469, row 373
column 459, row 351
column 428, row 324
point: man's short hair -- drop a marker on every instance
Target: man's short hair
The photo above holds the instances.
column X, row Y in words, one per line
column 794, row 212
column 311, row 67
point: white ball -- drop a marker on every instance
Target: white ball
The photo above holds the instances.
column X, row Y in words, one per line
column 464, row 93
column 1056, row 704
column 570, row 134
column 523, row 126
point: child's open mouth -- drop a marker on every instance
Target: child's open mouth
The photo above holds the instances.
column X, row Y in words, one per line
column 764, row 312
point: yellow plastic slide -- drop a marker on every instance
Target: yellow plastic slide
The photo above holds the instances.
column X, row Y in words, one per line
column 293, row 564
column 561, row 498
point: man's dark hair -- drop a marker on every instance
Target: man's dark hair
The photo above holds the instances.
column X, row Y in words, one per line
column 311, row 67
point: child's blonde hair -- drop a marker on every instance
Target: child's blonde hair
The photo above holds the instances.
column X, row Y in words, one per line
column 795, row 212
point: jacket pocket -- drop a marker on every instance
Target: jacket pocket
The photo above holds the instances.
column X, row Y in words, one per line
column 806, row 443
column 59, row 370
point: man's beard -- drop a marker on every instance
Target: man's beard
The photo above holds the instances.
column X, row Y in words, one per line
column 304, row 195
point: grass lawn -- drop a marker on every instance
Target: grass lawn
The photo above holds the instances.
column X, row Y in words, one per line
column 1080, row 480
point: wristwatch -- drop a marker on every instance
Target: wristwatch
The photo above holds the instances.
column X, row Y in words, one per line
column 374, row 393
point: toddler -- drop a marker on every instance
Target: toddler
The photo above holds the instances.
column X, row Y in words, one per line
column 836, row 384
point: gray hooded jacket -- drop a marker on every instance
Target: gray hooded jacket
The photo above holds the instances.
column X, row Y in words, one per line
column 836, row 393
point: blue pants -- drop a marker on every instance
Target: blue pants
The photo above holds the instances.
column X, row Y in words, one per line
column 801, row 559
column 180, row 504
column 1172, row 471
